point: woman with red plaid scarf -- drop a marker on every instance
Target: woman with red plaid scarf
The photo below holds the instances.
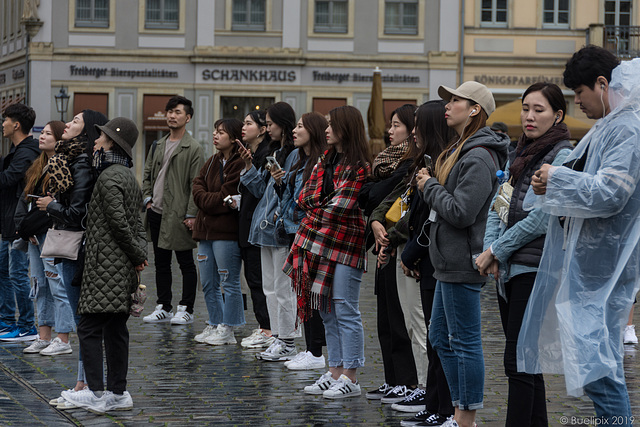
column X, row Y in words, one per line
column 328, row 255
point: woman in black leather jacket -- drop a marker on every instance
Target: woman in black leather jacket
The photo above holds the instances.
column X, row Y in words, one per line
column 70, row 188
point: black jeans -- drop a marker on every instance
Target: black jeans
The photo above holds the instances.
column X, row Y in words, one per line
column 438, row 396
column 526, row 403
column 112, row 328
column 314, row 334
column 162, row 259
column 395, row 344
column 253, row 276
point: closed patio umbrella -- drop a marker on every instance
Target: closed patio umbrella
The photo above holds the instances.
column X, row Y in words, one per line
column 375, row 115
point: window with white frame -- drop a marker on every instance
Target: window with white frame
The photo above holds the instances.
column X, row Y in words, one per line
column 555, row 14
column 248, row 15
column 162, row 14
column 493, row 13
column 331, row 16
column 92, row 13
column 401, row 17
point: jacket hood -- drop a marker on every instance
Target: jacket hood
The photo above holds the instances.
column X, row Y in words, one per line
column 485, row 137
column 30, row 143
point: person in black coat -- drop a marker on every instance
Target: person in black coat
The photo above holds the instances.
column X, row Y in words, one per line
column 15, row 285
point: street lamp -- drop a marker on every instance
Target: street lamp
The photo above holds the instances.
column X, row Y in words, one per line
column 62, row 102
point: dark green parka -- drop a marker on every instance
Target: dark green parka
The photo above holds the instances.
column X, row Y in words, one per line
column 115, row 243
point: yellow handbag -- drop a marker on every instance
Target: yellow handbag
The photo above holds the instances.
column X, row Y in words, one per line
column 399, row 208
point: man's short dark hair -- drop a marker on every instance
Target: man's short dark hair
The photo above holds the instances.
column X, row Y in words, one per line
column 22, row 114
column 587, row 64
column 177, row 100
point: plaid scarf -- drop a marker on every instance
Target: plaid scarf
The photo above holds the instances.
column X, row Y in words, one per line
column 58, row 165
column 389, row 159
column 103, row 159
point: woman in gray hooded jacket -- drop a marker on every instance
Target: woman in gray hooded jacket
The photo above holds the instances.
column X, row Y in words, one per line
column 459, row 195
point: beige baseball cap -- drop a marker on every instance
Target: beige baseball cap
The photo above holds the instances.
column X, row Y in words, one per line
column 474, row 91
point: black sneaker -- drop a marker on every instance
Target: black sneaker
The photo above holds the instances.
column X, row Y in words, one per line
column 415, row 402
column 435, row 420
column 396, row 394
column 379, row 392
column 417, row 419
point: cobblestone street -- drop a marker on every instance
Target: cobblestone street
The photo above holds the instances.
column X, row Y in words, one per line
column 175, row 381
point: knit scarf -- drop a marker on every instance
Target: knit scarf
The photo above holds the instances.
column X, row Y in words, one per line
column 389, row 159
column 103, row 159
column 58, row 165
column 528, row 148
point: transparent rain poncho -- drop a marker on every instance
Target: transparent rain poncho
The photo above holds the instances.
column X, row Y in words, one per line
column 590, row 268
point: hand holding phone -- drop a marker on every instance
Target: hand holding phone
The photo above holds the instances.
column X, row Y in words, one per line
column 33, row 196
column 427, row 162
column 237, row 141
column 273, row 163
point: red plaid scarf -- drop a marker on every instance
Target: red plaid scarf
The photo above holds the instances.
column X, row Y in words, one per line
column 332, row 232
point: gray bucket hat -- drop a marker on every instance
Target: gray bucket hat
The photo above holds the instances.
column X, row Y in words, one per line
column 474, row 91
column 123, row 132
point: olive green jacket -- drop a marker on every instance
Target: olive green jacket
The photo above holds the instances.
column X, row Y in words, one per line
column 177, row 205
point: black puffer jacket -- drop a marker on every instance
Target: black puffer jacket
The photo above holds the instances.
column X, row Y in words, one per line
column 115, row 243
column 70, row 208
column 12, row 170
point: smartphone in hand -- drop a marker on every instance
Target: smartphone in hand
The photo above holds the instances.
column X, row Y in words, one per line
column 237, row 141
column 427, row 162
column 273, row 163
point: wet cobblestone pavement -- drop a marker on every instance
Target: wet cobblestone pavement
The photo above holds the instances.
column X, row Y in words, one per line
column 175, row 381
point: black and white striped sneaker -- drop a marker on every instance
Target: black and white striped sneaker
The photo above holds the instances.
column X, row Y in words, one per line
column 396, row 394
column 321, row 385
column 418, row 418
column 415, row 402
column 379, row 392
column 343, row 387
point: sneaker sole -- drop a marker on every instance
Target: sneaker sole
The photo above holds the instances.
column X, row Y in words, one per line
column 392, row 400
column 373, row 396
column 32, row 351
column 58, row 353
column 19, row 339
column 408, row 408
column 168, row 319
column 180, row 323
column 305, row 368
column 265, row 345
column 342, row 396
column 315, row 393
column 222, row 343
column 278, row 359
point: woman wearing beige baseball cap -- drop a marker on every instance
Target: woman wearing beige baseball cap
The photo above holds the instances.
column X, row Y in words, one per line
column 459, row 196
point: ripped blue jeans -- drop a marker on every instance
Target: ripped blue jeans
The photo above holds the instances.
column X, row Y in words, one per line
column 219, row 262
column 455, row 334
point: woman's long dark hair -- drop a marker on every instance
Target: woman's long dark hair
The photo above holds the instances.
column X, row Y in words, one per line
column 283, row 115
column 91, row 119
column 316, row 125
column 348, row 126
column 432, row 134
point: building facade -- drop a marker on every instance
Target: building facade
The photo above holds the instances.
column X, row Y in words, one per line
column 127, row 57
column 510, row 44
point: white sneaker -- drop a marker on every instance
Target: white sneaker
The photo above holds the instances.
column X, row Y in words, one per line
column 308, row 362
column 453, row 423
column 158, row 315
column 182, row 316
column 36, row 346
column 298, row 357
column 86, row 399
column 61, row 402
column 208, row 331
column 275, row 346
column 224, row 335
column 115, row 402
column 258, row 339
column 282, row 353
column 57, row 347
column 342, row 388
column 321, row 385
column 629, row 335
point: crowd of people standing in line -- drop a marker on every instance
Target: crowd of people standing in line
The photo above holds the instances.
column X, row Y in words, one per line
column 446, row 206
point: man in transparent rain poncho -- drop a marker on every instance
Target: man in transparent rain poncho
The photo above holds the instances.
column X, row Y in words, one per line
column 590, row 266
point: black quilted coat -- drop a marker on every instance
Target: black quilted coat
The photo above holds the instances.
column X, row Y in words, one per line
column 115, row 243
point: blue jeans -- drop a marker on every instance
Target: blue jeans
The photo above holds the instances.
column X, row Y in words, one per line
column 67, row 269
column 610, row 400
column 219, row 262
column 51, row 299
column 343, row 325
column 455, row 334
column 15, row 287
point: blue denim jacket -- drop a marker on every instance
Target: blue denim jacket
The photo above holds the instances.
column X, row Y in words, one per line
column 505, row 242
column 291, row 213
column 263, row 228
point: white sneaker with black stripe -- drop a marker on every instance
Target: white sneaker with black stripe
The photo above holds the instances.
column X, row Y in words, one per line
column 342, row 388
column 158, row 316
column 321, row 385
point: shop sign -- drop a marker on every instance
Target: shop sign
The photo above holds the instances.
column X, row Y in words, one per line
column 492, row 80
column 17, row 74
column 360, row 78
column 248, row 75
column 97, row 72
